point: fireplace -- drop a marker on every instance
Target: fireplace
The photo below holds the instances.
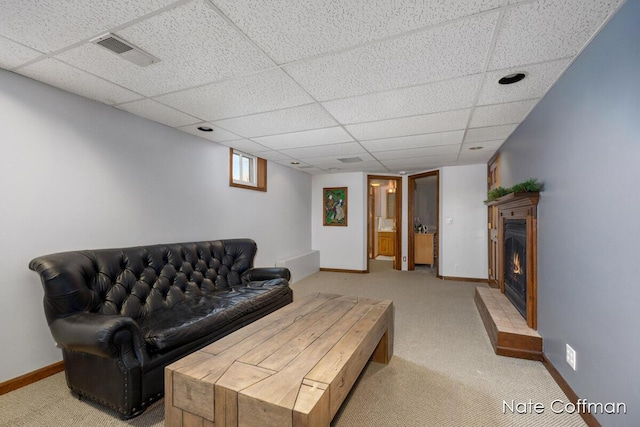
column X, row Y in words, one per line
column 515, row 263
column 517, row 258
column 509, row 311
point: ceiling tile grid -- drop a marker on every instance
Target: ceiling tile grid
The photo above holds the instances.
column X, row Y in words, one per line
column 490, row 133
column 312, row 28
column 333, row 135
column 430, row 98
column 160, row 113
column 344, row 149
column 426, row 123
column 255, row 93
column 399, row 62
column 14, row 54
column 547, row 29
column 216, row 134
column 66, row 77
column 195, row 46
column 414, row 141
column 501, row 114
column 400, row 84
column 305, row 117
column 50, row 25
column 247, row 146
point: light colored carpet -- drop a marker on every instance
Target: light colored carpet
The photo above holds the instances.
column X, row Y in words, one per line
column 443, row 373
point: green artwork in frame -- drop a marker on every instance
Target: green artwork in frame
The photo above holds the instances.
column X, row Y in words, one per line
column 334, row 202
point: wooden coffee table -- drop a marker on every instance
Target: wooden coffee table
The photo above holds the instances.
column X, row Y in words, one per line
column 293, row 367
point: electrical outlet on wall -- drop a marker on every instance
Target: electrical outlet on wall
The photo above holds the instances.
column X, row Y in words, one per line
column 571, row 357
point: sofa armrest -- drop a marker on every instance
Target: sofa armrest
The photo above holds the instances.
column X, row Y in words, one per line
column 109, row 336
column 265, row 273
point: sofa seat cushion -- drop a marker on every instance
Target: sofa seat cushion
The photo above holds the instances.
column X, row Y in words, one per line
column 195, row 318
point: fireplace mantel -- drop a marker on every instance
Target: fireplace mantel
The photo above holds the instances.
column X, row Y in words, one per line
column 521, row 206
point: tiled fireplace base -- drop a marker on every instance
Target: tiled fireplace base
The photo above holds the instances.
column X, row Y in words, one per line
column 507, row 329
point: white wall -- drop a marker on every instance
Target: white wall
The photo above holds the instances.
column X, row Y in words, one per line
column 77, row 174
column 463, row 242
column 341, row 247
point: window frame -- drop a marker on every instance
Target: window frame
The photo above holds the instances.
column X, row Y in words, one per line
column 259, row 167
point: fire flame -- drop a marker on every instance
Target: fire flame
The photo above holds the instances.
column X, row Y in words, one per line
column 517, row 269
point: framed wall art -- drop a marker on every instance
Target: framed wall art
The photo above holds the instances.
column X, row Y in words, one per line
column 334, row 202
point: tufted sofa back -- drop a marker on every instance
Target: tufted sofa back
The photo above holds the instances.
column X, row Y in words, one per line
column 136, row 281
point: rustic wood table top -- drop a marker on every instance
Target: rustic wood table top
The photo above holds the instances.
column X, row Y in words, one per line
column 293, row 367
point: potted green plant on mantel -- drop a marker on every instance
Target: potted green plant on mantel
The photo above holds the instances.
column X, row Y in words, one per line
column 529, row 186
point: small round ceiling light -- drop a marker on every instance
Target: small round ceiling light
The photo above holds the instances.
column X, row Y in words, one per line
column 475, row 148
column 295, row 163
column 205, row 129
column 512, row 78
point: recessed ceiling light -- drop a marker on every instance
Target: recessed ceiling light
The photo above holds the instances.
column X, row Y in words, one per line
column 205, row 129
column 512, row 78
column 475, row 148
column 295, row 163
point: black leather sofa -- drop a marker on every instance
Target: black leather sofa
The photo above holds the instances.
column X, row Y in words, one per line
column 121, row 315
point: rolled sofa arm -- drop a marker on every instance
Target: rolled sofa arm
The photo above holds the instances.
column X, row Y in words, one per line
column 102, row 335
column 265, row 273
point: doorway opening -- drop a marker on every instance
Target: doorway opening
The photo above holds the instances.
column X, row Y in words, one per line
column 384, row 222
column 424, row 218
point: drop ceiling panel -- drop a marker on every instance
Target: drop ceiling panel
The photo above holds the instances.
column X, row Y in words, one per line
column 501, row 114
column 332, row 160
column 372, row 166
column 475, row 157
column 160, row 113
column 414, row 141
column 305, row 117
column 396, row 76
column 491, row 133
column 191, row 34
column 547, row 29
column 539, row 79
column 427, row 123
column 421, row 162
column 430, row 98
column 274, row 155
column 255, row 93
column 348, row 149
column 441, row 150
column 314, row 27
column 486, row 145
column 246, row 146
column 218, row 134
column 49, row 25
column 309, row 170
column 436, row 54
column 14, row 54
column 324, row 136
column 63, row 76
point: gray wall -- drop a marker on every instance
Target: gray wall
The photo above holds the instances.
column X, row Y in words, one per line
column 77, row 174
column 583, row 142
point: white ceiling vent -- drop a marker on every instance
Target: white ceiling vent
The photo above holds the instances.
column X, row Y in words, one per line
column 125, row 50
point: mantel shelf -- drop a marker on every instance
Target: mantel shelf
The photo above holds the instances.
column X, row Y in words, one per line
column 533, row 197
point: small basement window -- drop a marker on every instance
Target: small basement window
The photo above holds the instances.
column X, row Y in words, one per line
column 247, row 171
